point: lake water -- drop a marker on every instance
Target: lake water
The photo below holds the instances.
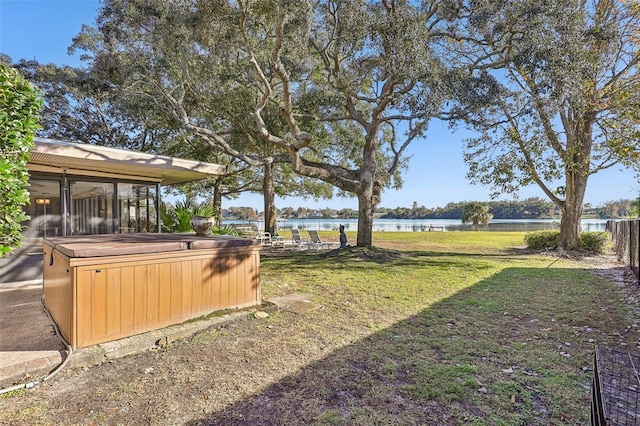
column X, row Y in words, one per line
column 426, row 225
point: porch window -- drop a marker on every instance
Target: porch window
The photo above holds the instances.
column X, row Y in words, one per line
column 92, row 208
column 43, row 209
column 137, row 207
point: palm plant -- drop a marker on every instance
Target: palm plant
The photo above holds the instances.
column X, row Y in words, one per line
column 177, row 218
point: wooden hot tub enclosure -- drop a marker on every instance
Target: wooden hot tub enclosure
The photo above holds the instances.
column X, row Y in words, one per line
column 105, row 287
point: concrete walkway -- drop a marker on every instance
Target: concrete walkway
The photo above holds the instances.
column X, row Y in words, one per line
column 29, row 346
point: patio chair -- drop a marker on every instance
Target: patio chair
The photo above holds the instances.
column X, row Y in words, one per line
column 264, row 238
column 298, row 241
column 278, row 240
column 318, row 244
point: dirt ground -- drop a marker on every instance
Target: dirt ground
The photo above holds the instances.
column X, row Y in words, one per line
column 248, row 372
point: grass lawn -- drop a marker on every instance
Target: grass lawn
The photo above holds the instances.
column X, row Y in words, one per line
column 460, row 327
column 430, row 328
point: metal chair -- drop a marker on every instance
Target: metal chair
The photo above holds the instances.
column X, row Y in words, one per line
column 318, row 244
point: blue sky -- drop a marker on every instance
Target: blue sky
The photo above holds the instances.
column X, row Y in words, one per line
column 43, row 30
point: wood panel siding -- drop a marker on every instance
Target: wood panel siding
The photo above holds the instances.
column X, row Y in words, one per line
column 106, row 298
column 58, row 292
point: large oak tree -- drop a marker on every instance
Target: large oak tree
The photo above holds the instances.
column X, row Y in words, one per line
column 338, row 89
column 556, row 95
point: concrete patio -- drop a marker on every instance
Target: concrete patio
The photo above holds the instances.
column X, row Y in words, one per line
column 29, row 346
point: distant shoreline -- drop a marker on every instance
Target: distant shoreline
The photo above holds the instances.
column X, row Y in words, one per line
column 423, row 225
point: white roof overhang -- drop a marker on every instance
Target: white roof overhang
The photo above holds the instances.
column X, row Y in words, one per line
column 56, row 156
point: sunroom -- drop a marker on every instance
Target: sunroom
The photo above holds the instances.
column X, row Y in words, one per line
column 82, row 189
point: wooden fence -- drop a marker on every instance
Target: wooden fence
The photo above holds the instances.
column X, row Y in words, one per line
column 625, row 235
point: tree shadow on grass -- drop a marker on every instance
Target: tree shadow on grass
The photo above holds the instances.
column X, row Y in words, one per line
column 383, row 255
column 355, row 258
column 515, row 348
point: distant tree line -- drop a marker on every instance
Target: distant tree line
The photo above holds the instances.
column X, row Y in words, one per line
column 249, row 213
column 530, row 208
column 617, row 209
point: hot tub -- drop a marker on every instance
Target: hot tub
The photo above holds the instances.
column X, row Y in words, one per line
column 105, row 287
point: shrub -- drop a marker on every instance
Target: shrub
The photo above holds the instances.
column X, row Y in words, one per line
column 540, row 240
column 595, row 242
column 20, row 105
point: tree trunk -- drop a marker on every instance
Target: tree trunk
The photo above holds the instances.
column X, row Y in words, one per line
column 365, row 218
column 217, row 201
column 369, row 189
column 572, row 212
column 570, row 227
column 268, row 193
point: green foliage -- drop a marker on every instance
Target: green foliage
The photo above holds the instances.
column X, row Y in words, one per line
column 225, row 230
column 562, row 105
column 476, row 213
column 617, row 209
column 176, row 218
column 594, row 242
column 20, row 105
column 244, row 213
column 182, row 222
column 79, row 106
column 635, row 205
column 529, row 208
column 541, row 240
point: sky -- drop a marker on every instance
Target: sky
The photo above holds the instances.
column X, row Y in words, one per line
column 43, row 30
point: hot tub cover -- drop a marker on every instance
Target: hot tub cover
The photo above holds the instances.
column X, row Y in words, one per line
column 122, row 244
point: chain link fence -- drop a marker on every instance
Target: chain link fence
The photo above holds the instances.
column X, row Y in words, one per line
column 615, row 391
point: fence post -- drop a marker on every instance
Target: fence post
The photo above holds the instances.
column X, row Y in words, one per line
column 625, row 237
column 637, row 259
